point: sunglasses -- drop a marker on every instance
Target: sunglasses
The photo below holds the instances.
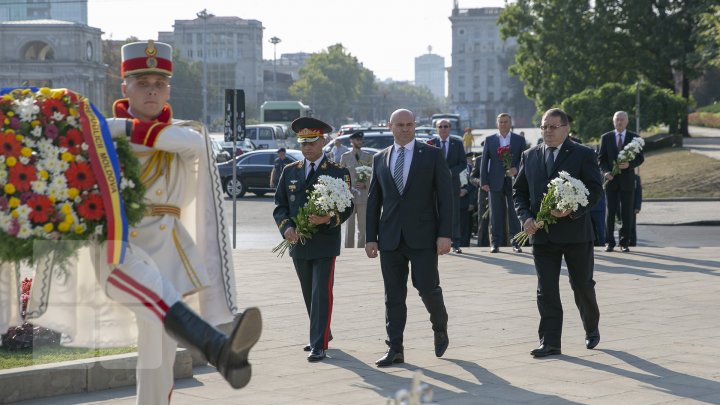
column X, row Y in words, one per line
column 443, row 126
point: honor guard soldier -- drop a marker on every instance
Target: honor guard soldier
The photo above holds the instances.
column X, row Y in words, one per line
column 314, row 260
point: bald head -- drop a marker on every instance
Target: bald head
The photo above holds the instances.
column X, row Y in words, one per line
column 402, row 125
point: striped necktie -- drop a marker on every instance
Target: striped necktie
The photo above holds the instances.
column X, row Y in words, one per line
column 398, row 172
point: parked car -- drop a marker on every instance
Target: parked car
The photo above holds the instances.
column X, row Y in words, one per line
column 374, row 141
column 266, row 136
column 220, row 154
column 242, row 146
column 253, row 172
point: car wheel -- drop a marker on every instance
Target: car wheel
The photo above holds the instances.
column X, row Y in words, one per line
column 235, row 188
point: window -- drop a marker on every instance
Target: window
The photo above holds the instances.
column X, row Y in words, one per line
column 251, row 133
column 258, row 159
column 266, row 134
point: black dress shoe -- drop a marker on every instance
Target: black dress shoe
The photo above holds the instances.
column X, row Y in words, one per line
column 457, row 250
column 441, row 343
column 545, row 350
column 517, row 249
column 624, row 249
column 307, row 348
column 391, row 357
column 316, row 355
column 592, row 340
column 609, row 248
column 494, row 249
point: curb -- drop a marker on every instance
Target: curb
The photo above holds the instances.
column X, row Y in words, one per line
column 78, row 376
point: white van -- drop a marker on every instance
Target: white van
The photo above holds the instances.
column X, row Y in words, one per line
column 267, row 136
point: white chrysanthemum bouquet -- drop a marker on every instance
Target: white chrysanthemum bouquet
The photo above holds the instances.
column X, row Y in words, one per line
column 628, row 154
column 564, row 193
column 363, row 173
column 330, row 196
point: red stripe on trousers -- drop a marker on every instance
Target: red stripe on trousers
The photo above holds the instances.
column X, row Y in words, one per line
column 123, row 287
column 148, row 293
column 330, row 303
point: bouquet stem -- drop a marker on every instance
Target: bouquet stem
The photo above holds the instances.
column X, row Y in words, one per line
column 283, row 246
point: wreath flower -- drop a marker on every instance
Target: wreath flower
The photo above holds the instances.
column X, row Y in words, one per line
column 48, row 187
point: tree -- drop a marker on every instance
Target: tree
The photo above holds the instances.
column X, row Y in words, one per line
column 566, row 46
column 331, row 82
column 185, row 97
column 592, row 109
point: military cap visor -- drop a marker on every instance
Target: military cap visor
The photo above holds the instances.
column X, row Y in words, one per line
column 310, row 129
column 357, row 135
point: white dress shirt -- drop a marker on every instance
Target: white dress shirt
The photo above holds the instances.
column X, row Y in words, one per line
column 408, row 159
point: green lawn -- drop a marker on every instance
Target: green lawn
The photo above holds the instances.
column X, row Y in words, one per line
column 44, row 355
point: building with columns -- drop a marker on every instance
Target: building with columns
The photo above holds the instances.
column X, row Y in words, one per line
column 55, row 54
column 480, row 86
column 232, row 49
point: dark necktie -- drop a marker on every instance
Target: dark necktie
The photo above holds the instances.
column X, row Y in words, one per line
column 312, row 171
column 550, row 161
column 444, row 148
column 357, row 157
column 619, row 142
column 398, row 172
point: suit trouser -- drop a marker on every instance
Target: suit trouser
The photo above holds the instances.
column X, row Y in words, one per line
column 425, row 278
column 502, row 208
column 483, row 236
column 465, row 219
column 580, row 261
column 316, row 281
column 139, row 285
column 359, row 212
column 623, row 198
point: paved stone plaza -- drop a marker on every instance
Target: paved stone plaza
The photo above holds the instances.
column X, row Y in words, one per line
column 659, row 324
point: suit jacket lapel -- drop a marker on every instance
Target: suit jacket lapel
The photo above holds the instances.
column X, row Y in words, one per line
column 540, row 166
column 388, row 172
column 563, row 153
column 417, row 155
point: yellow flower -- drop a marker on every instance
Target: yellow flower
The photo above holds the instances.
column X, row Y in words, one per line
column 35, row 123
column 68, row 157
column 9, row 189
column 25, row 91
column 69, row 220
column 48, row 227
column 14, row 202
column 73, row 192
column 18, row 136
column 10, row 113
column 63, row 227
column 11, row 161
column 65, row 209
column 43, row 174
column 14, row 214
column 72, row 111
column 27, row 152
column 58, row 93
column 52, row 198
column 45, row 91
column 7, row 97
column 79, row 229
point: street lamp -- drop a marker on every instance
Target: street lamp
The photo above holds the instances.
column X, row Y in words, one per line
column 274, row 41
column 204, row 15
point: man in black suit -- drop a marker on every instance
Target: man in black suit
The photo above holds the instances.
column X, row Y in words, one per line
column 314, row 260
column 570, row 238
column 468, row 200
column 409, row 220
column 619, row 189
column 454, row 153
column 496, row 180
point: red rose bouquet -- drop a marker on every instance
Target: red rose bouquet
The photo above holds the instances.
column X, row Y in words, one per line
column 506, row 158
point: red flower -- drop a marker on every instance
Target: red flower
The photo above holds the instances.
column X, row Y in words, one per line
column 505, row 156
column 9, row 146
column 50, row 106
column 21, row 176
column 26, row 284
column 72, row 140
column 91, row 207
column 41, row 207
column 80, row 176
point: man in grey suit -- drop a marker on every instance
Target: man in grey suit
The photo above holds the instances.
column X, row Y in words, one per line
column 454, row 153
column 571, row 238
column 350, row 160
column 409, row 220
column 496, row 180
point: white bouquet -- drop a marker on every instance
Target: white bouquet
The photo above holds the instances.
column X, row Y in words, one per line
column 363, row 173
column 564, row 193
column 628, row 154
column 330, row 196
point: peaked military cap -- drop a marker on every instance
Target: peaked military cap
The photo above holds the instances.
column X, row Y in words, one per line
column 310, row 129
column 146, row 57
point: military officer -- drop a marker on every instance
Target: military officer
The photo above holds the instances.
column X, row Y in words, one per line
column 314, row 260
column 352, row 159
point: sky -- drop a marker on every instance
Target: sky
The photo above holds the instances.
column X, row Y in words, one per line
column 384, row 35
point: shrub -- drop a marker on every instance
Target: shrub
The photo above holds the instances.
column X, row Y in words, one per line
column 704, row 119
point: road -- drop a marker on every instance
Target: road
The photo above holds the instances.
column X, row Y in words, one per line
column 256, row 227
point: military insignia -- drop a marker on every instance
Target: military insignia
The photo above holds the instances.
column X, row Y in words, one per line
column 292, row 187
column 324, row 165
column 150, row 50
column 151, row 62
column 292, row 198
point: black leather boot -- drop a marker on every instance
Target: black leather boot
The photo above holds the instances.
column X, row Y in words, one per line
column 229, row 354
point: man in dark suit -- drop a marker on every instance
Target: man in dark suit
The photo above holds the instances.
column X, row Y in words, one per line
column 496, row 180
column 570, row 238
column 314, row 260
column 468, row 201
column 409, row 220
column 620, row 189
column 454, row 152
column 483, row 221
